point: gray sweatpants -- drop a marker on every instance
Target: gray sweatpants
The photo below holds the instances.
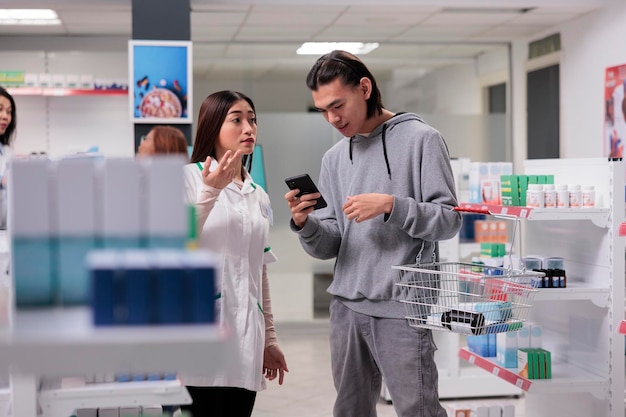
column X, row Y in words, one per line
column 363, row 349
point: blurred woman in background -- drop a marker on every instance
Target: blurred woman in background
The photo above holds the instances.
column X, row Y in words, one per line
column 8, row 121
column 163, row 140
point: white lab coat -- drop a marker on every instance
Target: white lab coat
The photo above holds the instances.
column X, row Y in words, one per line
column 237, row 229
column 6, row 154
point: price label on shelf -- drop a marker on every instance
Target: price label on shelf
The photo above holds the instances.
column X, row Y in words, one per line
column 472, row 359
column 523, row 213
column 519, row 383
column 495, row 371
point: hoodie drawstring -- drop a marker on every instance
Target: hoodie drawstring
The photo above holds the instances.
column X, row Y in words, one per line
column 384, row 150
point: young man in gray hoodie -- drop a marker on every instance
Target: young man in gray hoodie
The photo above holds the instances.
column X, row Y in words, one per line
column 390, row 193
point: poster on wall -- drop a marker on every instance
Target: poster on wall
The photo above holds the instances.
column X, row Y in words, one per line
column 615, row 111
column 160, row 81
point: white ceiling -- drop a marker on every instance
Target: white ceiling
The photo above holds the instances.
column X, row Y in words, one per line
column 258, row 39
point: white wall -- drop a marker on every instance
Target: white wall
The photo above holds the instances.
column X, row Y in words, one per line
column 590, row 45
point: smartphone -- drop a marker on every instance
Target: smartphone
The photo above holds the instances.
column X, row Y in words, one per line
column 305, row 184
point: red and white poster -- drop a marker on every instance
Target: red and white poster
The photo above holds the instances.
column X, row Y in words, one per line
column 615, row 111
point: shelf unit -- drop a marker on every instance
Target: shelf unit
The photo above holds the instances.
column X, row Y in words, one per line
column 456, row 377
column 62, row 92
column 62, row 342
column 63, row 401
column 580, row 322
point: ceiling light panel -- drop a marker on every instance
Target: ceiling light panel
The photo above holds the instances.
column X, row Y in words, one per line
column 321, row 48
column 32, row 17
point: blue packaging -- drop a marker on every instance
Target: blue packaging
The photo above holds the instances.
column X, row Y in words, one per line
column 169, row 277
column 103, row 270
column 137, row 276
column 200, row 275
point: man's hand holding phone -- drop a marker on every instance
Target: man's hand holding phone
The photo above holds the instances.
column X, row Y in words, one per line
column 303, row 198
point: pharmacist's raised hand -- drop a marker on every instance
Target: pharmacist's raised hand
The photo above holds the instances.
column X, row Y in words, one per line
column 226, row 170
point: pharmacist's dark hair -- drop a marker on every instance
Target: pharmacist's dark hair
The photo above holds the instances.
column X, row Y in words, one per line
column 349, row 69
column 7, row 137
column 213, row 112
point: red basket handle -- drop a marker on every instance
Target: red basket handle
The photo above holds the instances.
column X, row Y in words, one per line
column 478, row 210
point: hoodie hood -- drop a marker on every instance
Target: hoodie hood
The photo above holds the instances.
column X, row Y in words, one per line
column 381, row 131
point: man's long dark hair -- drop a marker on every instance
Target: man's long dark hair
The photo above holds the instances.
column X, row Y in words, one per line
column 348, row 68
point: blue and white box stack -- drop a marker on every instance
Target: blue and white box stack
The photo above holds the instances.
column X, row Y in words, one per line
column 60, row 210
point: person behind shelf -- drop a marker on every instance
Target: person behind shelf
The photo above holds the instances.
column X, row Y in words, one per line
column 390, row 193
column 8, row 122
column 163, row 140
column 218, row 183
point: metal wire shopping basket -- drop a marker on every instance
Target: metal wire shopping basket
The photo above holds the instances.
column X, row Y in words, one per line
column 467, row 298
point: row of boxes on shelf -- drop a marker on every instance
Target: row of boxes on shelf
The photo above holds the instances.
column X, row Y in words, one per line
column 483, row 409
column 491, row 231
column 152, row 287
column 484, row 181
column 59, row 210
column 552, row 268
column 514, row 188
column 58, row 80
column 145, row 411
column 467, row 233
column 534, row 363
column 495, row 183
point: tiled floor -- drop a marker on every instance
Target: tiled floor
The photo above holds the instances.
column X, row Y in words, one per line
column 308, row 389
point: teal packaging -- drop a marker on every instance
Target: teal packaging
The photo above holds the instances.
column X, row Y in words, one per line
column 32, row 263
column 506, row 349
column 75, row 229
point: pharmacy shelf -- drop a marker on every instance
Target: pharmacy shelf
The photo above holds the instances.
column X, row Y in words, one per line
column 65, row 342
column 64, row 400
column 574, row 292
column 565, row 378
column 598, row 216
column 64, row 92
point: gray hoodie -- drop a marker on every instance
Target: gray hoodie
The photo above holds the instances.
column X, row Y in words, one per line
column 403, row 157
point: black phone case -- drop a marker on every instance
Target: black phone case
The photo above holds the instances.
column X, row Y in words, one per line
column 305, row 184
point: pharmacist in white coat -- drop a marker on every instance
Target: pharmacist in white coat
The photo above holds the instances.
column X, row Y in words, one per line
column 234, row 215
column 8, row 121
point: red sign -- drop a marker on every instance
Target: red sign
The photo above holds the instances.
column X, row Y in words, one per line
column 615, row 111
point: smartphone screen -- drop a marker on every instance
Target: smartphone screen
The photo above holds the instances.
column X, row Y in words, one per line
column 305, row 184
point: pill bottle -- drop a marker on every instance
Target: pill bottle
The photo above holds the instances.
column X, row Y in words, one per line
column 588, row 194
column 549, row 196
column 534, row 196
column 562, row 196
column 575, row 197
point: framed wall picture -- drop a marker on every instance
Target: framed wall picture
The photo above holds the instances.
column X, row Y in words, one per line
column 160, row 81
